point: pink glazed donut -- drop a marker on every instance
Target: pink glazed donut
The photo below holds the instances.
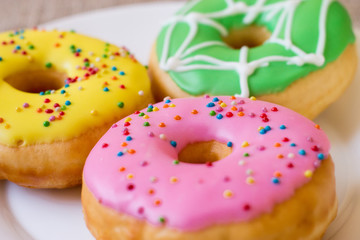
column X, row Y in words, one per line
column 158, row 174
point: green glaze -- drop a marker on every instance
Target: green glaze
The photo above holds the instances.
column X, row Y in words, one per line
column 265, row 80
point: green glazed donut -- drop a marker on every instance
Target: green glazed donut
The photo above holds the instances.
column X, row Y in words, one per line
column 306, row 35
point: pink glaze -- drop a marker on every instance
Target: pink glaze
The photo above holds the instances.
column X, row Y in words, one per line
column 142, row 184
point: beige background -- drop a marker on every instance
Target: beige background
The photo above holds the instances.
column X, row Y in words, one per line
column 28, row 13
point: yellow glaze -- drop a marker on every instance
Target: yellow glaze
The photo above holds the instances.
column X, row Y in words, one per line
column 91, row 106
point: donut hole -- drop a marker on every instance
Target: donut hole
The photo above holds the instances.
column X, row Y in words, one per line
column 204, row 152
column 36, row 81
column 250, row 36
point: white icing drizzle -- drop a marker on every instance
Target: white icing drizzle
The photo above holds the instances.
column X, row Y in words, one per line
column 181, row 61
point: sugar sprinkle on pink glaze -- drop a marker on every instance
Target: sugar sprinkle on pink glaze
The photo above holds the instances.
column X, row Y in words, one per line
column 138, row 172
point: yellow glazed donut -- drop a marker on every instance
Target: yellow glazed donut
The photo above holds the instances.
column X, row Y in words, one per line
column 59, row 92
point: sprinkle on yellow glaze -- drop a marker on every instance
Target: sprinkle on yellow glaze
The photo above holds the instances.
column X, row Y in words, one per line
column 68, row 53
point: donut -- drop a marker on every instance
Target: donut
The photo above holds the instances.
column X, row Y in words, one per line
column 299, row 54
column 59, row 93
column 210, row 168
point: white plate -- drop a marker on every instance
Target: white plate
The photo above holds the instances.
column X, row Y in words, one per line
column 56, row 214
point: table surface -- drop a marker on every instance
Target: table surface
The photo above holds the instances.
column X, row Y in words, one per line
column 29, row 13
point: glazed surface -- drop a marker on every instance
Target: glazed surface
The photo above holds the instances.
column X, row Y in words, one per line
column 102, row 81
column 305, row 37
column 134, row 168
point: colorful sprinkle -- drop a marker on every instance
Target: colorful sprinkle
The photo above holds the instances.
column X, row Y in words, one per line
column 228, row 194
column 302, row 152
column 229, row 114
column 246, row 207
column 173, row 143
column 245, row 144
column 173, row 180
column 194, row 111
column 250, row 180
column 275, row 180
column 308, row 173
column 162, row 220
